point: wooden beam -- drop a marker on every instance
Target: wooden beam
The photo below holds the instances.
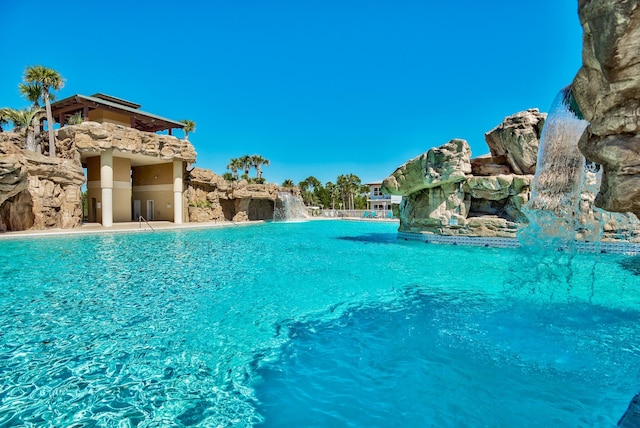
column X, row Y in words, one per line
column 85, row 114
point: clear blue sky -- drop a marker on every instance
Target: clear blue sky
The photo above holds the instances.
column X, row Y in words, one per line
column 318, row 87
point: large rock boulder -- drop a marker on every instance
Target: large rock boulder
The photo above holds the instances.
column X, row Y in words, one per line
column 607, row 91
column 449, row 163
column 517, row 139
column 38, row 191
column 442, row 196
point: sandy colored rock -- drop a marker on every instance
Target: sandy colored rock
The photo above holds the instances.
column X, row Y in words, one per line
column 95, row 137
column 517, row 139
column 38, row 191
column 449, row 163
column 211, row 198
column 607, row 91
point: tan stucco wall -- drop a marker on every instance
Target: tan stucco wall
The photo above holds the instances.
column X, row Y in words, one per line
column 159, row 190
column 162, row 201
column 93, row 168
column 121, row 189
column 121, row 169
column 146, row 175
column 94, row 192
column 106, row 116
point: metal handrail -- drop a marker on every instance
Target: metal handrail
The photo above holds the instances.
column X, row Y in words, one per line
column 145, row 220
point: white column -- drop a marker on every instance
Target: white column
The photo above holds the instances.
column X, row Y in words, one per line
column 106, row 184
column 177, row 191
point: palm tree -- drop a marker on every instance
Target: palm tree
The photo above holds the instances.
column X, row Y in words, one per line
column 349, row 184
column 189, row 126
column 234, row 165
column 25, row 121
column 33, row 93
column 257, row 161
column 288, row 183
column 334, row 193
column 4, row 118
column 50, row 80
column 245, row 161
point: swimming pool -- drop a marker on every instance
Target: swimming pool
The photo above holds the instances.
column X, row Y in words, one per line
column 322, row 323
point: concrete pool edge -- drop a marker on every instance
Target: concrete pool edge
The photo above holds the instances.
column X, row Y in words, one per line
column 626, row 248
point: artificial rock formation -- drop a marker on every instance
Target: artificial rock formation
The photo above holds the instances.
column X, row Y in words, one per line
column 516, row 138
column 97, row 137
column 446, row 192
column 607, row 91
column 37, row 191
column 211, row 198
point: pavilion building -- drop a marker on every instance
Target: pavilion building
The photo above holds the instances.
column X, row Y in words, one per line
column 131, row 171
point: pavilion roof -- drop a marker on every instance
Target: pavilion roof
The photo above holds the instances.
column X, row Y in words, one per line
column 143, row 121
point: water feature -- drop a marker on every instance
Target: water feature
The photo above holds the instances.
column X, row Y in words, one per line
column 289, row 207
column 561, row 211
column 317, row 323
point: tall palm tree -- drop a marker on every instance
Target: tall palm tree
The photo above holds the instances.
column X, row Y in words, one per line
column 246, row 164
column 26, row 121
column 33, row 92
column 350, row 185
column 257, row 161
column 234, row 165
column 50, row 80
column 334, row 193
column 189, row 126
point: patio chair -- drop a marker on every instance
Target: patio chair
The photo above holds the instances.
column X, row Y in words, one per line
column 365, row 214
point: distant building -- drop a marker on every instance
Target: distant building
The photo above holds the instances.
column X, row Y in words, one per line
column 377, row 201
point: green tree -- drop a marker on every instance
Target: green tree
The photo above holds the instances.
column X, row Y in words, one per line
column 50, row 80
column 256, row 162
column 288, row 183
column 245, row 162
column 189, row 126
column 33, row 92
column 234, row 165
column 309, row 190
column 25, row 122
column 349, row 185
column 334, row 192
column 4, row 118
column 75, row 119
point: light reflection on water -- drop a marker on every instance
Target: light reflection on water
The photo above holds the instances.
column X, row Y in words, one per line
column 229, row 327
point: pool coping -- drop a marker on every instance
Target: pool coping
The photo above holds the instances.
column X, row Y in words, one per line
column 603, row 247
column 128, row 227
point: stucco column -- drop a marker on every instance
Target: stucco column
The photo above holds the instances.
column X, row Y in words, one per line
column 106, row 184
column 177, row 191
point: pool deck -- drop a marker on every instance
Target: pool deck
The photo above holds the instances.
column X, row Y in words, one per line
column 89, row 228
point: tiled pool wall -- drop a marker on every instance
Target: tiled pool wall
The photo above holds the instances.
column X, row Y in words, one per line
column 627, row 248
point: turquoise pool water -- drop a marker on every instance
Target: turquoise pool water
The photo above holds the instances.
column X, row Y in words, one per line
column 327, row 324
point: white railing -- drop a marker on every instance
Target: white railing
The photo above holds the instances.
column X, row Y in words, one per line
column 145, row 220
column 363, row 214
